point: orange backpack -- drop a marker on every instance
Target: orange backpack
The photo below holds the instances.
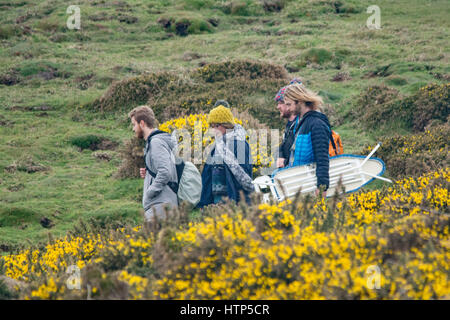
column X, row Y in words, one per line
column 335, row 147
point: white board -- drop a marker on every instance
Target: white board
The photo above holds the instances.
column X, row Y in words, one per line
column 354, row 170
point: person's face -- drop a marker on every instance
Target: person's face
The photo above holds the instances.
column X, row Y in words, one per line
column 284, row 111
column 290, row 105
column 295, row 107
column 218, row 129
column 137, row 128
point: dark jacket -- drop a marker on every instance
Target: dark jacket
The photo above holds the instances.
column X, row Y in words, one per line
column 288, row 140
column 312, row 142
column 233, row 186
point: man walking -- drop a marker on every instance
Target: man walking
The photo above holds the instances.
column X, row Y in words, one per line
column 289, row 135
column 160, row 174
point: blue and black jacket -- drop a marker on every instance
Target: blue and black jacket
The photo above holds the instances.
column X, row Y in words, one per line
column 288, row 140
column 312, row 141
column 233, row 186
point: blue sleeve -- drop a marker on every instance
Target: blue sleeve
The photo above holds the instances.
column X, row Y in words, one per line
column 320, row 139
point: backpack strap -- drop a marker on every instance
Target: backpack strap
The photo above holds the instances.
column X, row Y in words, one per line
column 180, row 169
column 172, row 185
column 332, row 141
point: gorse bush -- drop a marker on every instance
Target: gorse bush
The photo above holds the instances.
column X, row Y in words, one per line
column 126, row 94
column 5, row 292
column 131, row 153
column 172, row 95
column 430, row 103
column 415, row 154
column 186, row 98
column 300, row 249
column 381, row 105
column 373, row 105
column 216, row 72
column 189, row 123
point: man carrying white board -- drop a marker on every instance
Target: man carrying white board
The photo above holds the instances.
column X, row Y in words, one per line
column 312, row 134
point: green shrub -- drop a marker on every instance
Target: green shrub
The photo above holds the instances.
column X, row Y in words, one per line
column 78, row 36
column 374, row 106
column 171, row 95
column 200, row 26
column 273, row 5
column 198, row 4
column 233, row 69
column 89, row 141
column 241, row 8
column 340, row 55
column 185, row 98
column 430, row 103
column 126, row 94
column 330, row 95
column 380, row 105
column 345, row 7
column 26, row 164
column 380, row 71
column 183, row 24
column 30, row 68
column 315, row 8
column 43, row 68
column 396, row 80
column 132, row 155
column 7, row 32
column 10, row 217
column 5, row 293
column 49, row 26
column 415, row 154
column 316, row 55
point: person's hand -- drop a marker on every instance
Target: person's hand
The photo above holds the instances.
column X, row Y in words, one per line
column 142, row 172
column 324, row 193
column 280, row 163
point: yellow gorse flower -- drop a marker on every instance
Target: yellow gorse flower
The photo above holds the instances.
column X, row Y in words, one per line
column 197, row 126
column 305, row 250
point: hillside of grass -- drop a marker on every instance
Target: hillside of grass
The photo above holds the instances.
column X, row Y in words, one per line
column 64, row 94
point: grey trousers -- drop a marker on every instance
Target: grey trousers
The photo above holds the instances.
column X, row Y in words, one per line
column 159, row 211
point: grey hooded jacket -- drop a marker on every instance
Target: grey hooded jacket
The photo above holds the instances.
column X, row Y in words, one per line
column 160, row 160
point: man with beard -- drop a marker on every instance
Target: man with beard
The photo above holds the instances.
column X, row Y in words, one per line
column 289, row 134
column 160, row 174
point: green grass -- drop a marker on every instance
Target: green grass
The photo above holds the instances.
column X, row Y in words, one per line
column 413, row 39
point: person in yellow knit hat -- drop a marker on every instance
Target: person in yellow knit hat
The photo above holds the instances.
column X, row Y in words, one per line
column 228, row 170
column 221, row 117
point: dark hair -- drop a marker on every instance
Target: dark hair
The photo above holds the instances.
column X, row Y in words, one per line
column 222, row 102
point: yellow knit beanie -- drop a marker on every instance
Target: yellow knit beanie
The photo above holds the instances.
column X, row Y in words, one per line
column 220, row 114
